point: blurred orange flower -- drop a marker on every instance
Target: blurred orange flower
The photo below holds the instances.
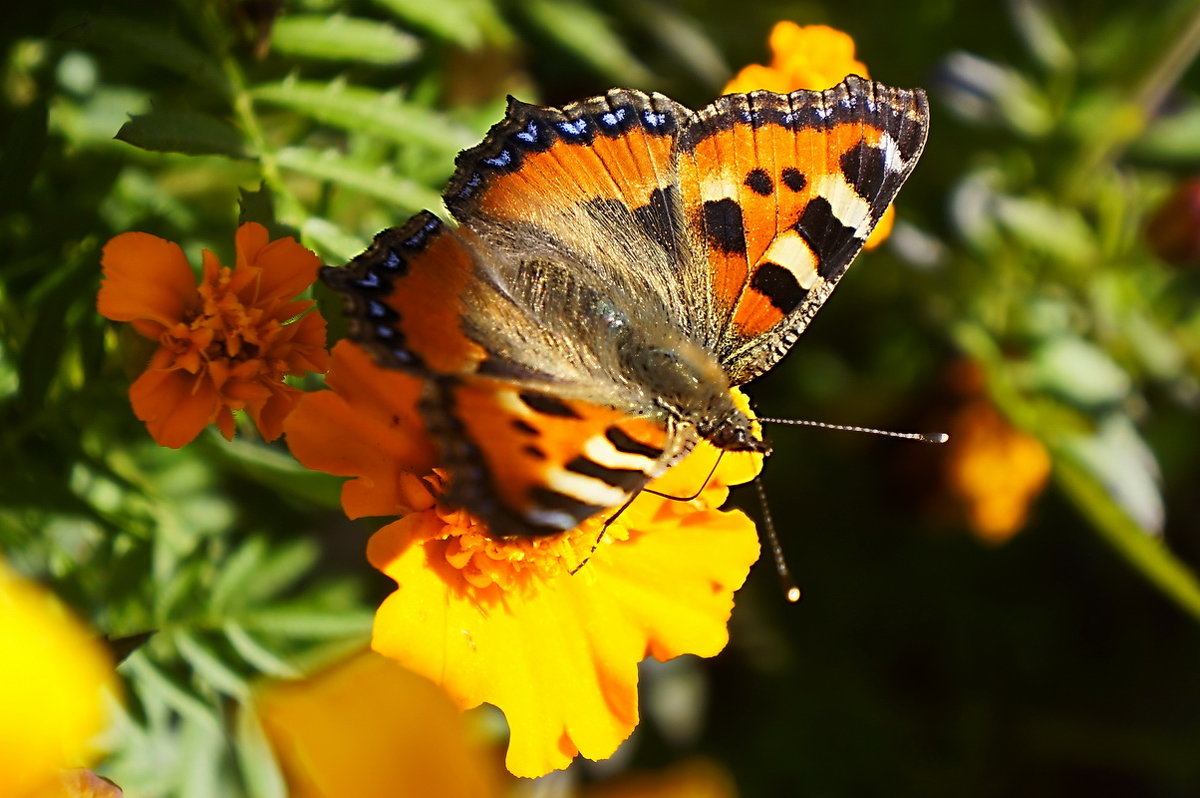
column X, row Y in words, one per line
column 813, row 57
column 993, row 468
column 505, row 621
column 225, row 344
column 367, row 728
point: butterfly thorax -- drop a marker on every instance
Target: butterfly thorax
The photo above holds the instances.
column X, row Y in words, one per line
column 691, row 388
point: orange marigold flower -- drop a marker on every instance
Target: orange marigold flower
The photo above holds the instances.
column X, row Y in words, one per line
column 814, row 57
column 995, row 469
column 225, row 344
column 367, row 728
column 505, row 621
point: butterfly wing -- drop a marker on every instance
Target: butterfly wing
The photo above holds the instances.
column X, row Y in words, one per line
column 536, row 433
column 780, row 191
column 533, row 462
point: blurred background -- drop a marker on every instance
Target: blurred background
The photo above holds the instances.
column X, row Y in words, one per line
column 1015, row 612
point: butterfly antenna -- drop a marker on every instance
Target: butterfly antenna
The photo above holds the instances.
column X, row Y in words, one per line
column 924, row 437
column 603, row 530
column 699, row 490
column 790, row 590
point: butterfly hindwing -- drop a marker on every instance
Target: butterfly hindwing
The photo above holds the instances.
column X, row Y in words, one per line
column 532, row 462
column 781, row 191
column 405, row 298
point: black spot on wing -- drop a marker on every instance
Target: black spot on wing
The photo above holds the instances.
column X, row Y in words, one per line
column 624, row 478
column 534, row 452
column 656, row 220
column 865, row 169
column 779, row 286
column 523, row 426
column 831, row 241
column 626, row 444
column 548, row 405
column 758, row 181
column 723, row 225
column 794, row 179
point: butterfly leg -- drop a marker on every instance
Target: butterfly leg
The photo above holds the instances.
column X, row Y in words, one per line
column 604, row 530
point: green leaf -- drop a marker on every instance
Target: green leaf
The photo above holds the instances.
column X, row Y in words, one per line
column 22, row 154
column 303, row 622
column 170, row 691
column 1119, row 459
column 342, row 38
column 258, row 655
column 255, row 758
column 586, row 33
column 1148, row 554
column 1080, row 372
column 209, row 666
column 186, row 132
column 330, row 240
column 361, row 110
column 451, row 20
column 373, row 181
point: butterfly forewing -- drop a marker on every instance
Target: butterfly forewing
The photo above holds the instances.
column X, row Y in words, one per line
column 781, row 191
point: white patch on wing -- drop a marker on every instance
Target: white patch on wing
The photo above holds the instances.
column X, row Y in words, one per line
column 848, row 207
column 791, row 251
column 718, row 188
column 599, row 449
column 584, row 488
column 892, row 160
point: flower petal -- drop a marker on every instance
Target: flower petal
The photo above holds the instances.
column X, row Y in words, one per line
column 287, row 268
column 146, row 279
column 175, row 405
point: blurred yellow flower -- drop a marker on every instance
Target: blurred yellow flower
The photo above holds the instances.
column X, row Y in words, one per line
column 54, row 677
column 368, row 728
column 993, row 468
column 507, row 621
column 813, row 57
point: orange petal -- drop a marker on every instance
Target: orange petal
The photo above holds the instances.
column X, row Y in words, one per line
column 327, row 434
column 175, row 405
column 883, row 229
column 287, row 268
column 146, row 278
column 367, row 728
column 269, row 415
column 757, row 76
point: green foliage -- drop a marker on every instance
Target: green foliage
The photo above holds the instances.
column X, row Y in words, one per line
column 1021, row 245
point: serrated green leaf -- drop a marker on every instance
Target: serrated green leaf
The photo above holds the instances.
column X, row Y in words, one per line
column 450, row 20
column 186, row 132
column 280, row 472
column 586, row 33
column 258, row 655
column 370, row 180
column 170, row 691
column 362, row 110
column 209, row 666
column 235, row 574
column 304, row 622
column 342, row 38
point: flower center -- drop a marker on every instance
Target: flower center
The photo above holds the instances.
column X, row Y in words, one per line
column 515, row 563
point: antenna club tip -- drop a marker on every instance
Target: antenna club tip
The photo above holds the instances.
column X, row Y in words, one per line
column 937, row 437
column 793, row 594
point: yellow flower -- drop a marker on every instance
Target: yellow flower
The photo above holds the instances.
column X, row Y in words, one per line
column 54, row 676
column 994, row 469
column 506, row 622
column 367, row 728
column 813, row 57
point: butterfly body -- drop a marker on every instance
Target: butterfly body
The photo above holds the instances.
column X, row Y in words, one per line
column 619, row 264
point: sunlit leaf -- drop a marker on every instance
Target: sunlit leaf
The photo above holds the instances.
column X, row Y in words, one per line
column 362, row 110
column 587, row 34
column 374, row 181
column 340, row 38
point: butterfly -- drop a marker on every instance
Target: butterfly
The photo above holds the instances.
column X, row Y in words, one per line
column 617, row 266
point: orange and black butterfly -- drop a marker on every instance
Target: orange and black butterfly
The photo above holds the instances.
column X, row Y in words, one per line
column 617, row 266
